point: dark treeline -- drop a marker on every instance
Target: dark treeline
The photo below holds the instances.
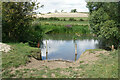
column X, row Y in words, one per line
column 105, row 21
column 58, row 19
column 16, row 22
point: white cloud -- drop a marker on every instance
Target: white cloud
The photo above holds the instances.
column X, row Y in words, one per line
column 66, row 5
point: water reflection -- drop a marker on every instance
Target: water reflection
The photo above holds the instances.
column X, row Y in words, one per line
column 68, row 49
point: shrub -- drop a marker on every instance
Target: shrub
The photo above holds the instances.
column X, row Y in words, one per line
column 81, row 20
column 54, row 18
column 72, row 19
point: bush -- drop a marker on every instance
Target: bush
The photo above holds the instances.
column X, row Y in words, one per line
column 41, row 18
column 72, row 19
column 110, row 32
column 54, row 18
column 81, row 20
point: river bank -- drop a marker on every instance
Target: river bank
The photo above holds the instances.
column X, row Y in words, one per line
column 18, row 64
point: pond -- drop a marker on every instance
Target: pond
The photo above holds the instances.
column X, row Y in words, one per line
column 62, row 47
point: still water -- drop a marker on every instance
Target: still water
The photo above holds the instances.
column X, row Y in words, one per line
column 63, row 46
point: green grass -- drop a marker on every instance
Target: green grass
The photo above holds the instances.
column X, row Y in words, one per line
column 48, row 29
column 64, row 22
column 105, row 67
column 17, row 56
column 54, row 26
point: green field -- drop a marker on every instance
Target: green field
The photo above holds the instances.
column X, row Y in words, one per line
column 56, row 26
column 63, row 21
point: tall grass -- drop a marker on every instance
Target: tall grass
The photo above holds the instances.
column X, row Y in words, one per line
column 56, row 29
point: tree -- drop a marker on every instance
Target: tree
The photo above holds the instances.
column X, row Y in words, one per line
column 16, row 20
column 56, row 11
column 62, row 10
column 104, row 22
column 73, row 10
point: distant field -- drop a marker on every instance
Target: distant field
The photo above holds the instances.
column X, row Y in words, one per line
column 62, row 15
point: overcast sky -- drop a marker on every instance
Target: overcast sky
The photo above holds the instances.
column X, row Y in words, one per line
column 66, row 5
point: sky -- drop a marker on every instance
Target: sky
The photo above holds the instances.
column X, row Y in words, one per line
column 66, row 5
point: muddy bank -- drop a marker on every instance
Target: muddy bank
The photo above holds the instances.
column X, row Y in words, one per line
column 88, row 57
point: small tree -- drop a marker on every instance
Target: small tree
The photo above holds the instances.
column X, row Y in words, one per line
column 62, row 10
column 73, row 10
column 56, row 11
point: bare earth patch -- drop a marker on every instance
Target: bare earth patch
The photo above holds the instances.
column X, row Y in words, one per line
column 4, row 47
column 86, row 58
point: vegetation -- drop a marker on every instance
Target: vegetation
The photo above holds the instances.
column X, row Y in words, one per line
column 16, row 20
column 55, row 25
column 73, row 10
column 108, row 69
column 64, row 22
column 57, row 28
column 19, row 55
column 64, row 19
column 104, row 22
column 19, row 26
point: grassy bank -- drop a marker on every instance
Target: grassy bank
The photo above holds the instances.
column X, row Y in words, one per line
column 61, row 29
column 105, row 66
column 47, row 29
column 64, row 22
column 17, row 56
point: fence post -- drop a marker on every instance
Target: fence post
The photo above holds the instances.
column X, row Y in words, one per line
column 112, row 47
column 75, row 51
column 40, row 55
column 75, row 48
column 75, row 57
column 46, row 50
column 38, row 45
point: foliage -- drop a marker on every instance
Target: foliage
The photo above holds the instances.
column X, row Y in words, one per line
column 16, row 20
column 62, row 19
column 104, row 22
column 73, row 10
column 35, row 35
column 81, row 20
column 72, row 19
column 57, row 29
column 54, row 18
